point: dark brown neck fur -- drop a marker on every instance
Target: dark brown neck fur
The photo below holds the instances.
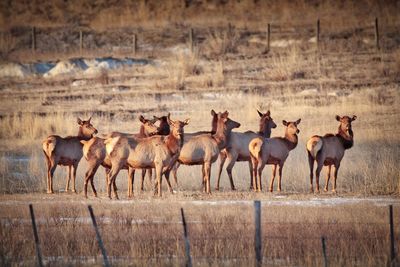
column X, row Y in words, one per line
column 174, row 145
column 345, row 139
column 291, row 141
column 82, row 136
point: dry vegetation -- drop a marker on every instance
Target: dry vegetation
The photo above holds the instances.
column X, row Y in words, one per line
column 229, row 69
column 220, row 234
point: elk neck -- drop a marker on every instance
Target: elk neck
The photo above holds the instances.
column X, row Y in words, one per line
column 222, row 136
column 174, row 144
column 346, row 139
column 82, row 136
column 291, row 140
column 264, row 132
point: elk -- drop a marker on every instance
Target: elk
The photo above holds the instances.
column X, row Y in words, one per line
column 238, row 148
column 66, row 151
column 189, row 136
column 94, row 151
column 329, row 150
column 204, row 149
column 273, row 151
column 163, row 129
column 159, row 152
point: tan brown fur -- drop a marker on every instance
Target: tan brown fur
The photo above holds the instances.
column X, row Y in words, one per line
column 238, row 148
column 328, row 150
column 204, row 149
column 273, row 151
column 94, row 151
column 66, row 151
column 159, row 152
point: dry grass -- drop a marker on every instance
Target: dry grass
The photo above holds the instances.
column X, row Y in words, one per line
column 219, row 235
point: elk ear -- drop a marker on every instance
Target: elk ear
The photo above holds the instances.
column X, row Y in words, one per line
column 213, row 113
column 354, row 118
column 259, row 113
column 298, row 121
column 225, row 114
column 337, row 117
column 89, row 119
column 284, row 122
column 79, row 121
column 268, row 113
column 186, row 122
column 142, row 119
column 170, row 122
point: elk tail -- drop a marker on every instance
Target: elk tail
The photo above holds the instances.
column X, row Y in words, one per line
column 49, row 145
column 255, row 147
column 314, row 145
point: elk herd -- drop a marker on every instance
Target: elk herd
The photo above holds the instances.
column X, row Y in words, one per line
column 162, row 145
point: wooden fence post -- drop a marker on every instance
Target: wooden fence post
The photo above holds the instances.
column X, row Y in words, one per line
column 134, row 43
column 377, row 34
column 99, row 240
column 33, row 37
column 80, row 41
column 392, row 252
column 187, row 244
column 324, row 251
column 268, row 37
column 191, row 36
column 35, row 234
column 257, row 236
column 318, row 32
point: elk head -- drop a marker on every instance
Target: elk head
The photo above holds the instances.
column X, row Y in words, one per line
column 86, row 129
column 291, row 126
column 266, row 123
column 147, row 128
column 345, row 124
column 177, row 128
column 214, row 122
column 163, row 128
column 226, row 123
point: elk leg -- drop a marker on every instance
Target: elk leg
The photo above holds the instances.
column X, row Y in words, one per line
column 271, row 185
column 251, row 174
column 335, row 173
column 174, row 172
column 254, row 164
column 328, row 176
column 311, row 165
column 74, row 169
column 68, row 179
column 259, row 173
column 115, row 189
column 131, row 178
column 280, row 177
column 143, row 176
column 158, row 168
column 111, row 178
column 89, row 177
column 166, row 174
column 231, row 162
column 222, row 158
column 50, row 176
column 207, row 171
column 317, row 174
column 203, row 173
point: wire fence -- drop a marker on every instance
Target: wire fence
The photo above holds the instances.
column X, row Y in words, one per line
column 135, row 40
column 289, row 243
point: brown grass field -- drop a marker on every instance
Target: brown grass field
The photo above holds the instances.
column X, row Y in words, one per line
column 230, row 69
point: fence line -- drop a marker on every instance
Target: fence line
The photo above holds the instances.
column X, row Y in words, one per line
column 258, row 237
column 191, row 36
